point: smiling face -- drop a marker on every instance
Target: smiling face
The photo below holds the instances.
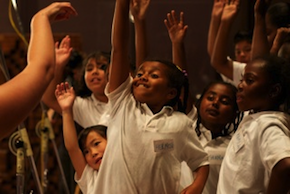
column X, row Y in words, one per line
column 217, row 107
column 94, row 149
column 151, row 85
column 95, row 75
column 254, row 88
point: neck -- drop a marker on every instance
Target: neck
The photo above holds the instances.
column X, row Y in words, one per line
column 101, row 97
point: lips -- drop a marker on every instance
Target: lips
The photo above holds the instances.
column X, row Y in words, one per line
column 213, row 112
column 98, row 161
column 239, row 98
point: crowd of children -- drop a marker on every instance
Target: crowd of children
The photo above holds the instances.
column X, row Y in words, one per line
column 143, row 132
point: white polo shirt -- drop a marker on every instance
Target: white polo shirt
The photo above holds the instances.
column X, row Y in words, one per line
column 261, row 141
column 145, row 150
column 88, row 111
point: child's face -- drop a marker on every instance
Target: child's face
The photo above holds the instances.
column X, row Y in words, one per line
column 254, row 88
column 243, row 51
column 217, row 106
column 150, row 85
column 95, row 75
column 94, row 149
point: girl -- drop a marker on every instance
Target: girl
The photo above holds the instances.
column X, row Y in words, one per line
column 147, row 139
column 91, row 101
column 218, row 117
column 86, row 153
column 258, row 157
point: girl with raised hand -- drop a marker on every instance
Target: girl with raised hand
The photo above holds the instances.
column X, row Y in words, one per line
column 257, row 159
column 147, row 139
column 86, row 153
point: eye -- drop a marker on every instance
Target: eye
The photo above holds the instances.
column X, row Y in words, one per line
column 210, row 97
column 96, row 143
column 103, row 67
column 249, row 80
column 225, row 101
column 139, row 74
column 153, row 75
column 85, row 152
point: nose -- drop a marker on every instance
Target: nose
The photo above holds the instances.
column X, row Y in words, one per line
column 94, row 152
column 96, row 70
column 144, row 77
column 240, row 86
column 215, row 103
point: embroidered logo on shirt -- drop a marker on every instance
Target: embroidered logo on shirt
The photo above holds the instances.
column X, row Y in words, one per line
column 164, row 145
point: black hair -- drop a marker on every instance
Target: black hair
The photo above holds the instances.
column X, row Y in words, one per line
column 82, row 137
column 278, row 71
column 243, row 36
column 176, row 79
column 239, row 116
column 82, row 90
column 279, row 14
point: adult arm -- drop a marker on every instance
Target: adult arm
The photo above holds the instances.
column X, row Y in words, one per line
column 20, row 95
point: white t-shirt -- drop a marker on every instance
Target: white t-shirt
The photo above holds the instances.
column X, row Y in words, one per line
column 238, row 70
column 88, row 111
column 262, row 140
column 87, row 180
column 216, row 149
column 144, row 150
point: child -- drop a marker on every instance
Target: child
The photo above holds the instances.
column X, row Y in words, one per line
column 91, row 101
column 258, row 157
column 86, row 153
column 16, row 97
column 147, row 139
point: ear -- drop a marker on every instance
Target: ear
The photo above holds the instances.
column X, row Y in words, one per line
column 275, row 91
column 172, row 93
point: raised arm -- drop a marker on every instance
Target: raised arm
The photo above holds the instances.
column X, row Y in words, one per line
column 216, row 14
column 62, row 54
column 120, row 66
column 20, row 95
column 177, row 32
column 138, row 10
column 65, row 96
column 219, row 59
column 281, row 36
column 260, row 45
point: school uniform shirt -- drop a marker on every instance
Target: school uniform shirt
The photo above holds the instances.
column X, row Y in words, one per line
column 144, row 150
column 238, row 70
column 87, row 180
column 261, row 141
column 88, row 111
column 215, row 149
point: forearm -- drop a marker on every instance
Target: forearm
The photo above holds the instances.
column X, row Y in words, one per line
column 140, row 41
column 212, row 33
column 48, row 97
column 260, row 45
column 41, row 52
column 120, row 66
column 179, row 55
column 69, row 131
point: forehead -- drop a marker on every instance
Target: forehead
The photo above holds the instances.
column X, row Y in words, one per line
column 221, row 89
column 93, row 136
column 152, row 65
column 242, row 44
column 256, row 67
column 98, row 60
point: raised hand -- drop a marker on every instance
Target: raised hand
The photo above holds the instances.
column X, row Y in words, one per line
column 65, row 96
column 63, row 51
column 176, row 28
column 230, row 10
column 261, row 7
column 58, row 11
column 138, row 8
column 217, row 8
